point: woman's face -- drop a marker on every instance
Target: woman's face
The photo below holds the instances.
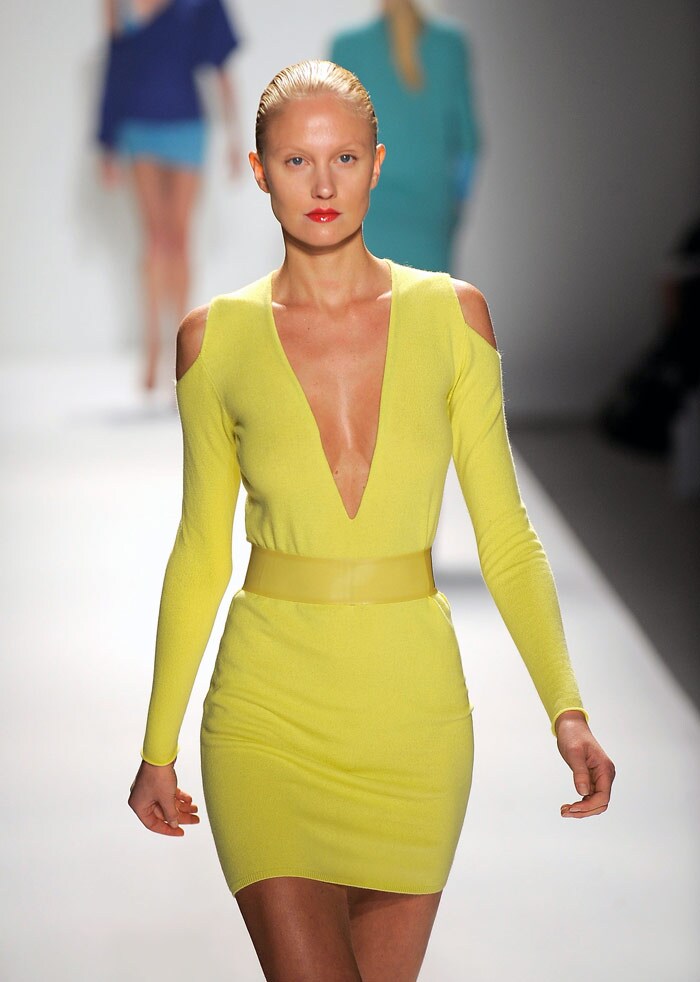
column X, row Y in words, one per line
column 320, row 164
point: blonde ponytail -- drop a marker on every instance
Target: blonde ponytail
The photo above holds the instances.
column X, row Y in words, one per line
column 405, row 25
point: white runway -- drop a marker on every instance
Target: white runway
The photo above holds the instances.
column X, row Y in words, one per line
column 90, row 502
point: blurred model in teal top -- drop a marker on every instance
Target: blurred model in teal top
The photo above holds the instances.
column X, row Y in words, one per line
column 418, row 75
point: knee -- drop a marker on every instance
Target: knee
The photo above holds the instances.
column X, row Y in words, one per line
column 176, row 240
column 156, row 242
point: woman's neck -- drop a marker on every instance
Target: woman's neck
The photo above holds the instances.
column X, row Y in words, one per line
column 131, row 14
column 329, row 278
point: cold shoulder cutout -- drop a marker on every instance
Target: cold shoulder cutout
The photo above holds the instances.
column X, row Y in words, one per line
column 190, row 337
column 475, row 310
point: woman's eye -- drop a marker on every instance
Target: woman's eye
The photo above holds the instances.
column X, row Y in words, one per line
column 346, row 158
column 295, row 161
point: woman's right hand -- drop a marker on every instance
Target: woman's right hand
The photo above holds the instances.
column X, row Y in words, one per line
column 158, row 802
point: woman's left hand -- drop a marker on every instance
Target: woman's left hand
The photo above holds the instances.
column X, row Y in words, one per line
column 594, row 772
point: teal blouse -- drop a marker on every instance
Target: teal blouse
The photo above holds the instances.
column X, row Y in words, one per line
column 431, row 136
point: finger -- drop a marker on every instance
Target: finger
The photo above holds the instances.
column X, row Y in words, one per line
column 582, row 778
column 598, row 799
column 162, row 828
column 594, row 804
column 189, row 819
column 155, row 824
column 167, row 812
column 567, row 811
column 186, row 809
column 185, row 805
column 581, row 772
column 184, row 816
column 604, row 775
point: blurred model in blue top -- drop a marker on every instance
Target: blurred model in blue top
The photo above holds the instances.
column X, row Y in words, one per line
column 417, row 72
column 151, row 119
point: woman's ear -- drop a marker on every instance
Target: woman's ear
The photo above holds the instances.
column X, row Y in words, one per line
column 379, row 155
column 259, row 171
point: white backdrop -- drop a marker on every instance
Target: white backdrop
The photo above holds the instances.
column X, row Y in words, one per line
column 591, row 167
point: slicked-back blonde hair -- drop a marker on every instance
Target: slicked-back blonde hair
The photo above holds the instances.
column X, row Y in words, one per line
column 312, row 78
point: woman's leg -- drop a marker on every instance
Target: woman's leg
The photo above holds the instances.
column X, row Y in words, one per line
column 301, row 930
column 390, row 932
column 306, row 930
column 150, row 184
column 182, row 189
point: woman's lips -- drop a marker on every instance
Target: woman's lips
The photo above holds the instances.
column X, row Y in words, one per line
column 322, row 215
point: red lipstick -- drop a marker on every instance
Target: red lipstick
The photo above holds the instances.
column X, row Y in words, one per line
column 322, row 214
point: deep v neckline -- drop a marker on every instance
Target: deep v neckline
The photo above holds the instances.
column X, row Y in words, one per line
column 381, row 412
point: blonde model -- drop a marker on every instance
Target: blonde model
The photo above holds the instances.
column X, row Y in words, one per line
column 336, row 740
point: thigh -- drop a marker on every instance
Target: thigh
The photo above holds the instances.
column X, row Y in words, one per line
column 182, row 189
column 390, row 932
column 300, row 929
column 150, row 185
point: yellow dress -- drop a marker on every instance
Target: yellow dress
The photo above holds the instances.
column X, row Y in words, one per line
column 336, row 739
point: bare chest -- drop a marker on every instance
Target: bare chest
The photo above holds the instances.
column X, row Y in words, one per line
column 339, row 365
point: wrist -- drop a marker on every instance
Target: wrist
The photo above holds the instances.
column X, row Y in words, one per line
column 570, row 716
column 160, row 767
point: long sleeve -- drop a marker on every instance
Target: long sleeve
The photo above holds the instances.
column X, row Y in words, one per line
column 199, row 567
column 215, row 36
column 465, row 128
column 115, row 78
column 513, row 562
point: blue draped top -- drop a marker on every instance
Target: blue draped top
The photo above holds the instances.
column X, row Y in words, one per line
column 151, row 66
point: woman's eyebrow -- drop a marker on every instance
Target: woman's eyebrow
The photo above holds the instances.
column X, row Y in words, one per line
column 338, row 148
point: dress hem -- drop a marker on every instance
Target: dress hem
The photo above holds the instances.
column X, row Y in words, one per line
column 316, row 875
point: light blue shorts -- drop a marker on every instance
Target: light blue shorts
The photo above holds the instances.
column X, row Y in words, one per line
column 179, row 143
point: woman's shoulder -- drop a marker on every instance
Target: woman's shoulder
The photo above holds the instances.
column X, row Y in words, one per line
column 475, row 310
column 224, row 321
column 190, row 336
column 436, row 297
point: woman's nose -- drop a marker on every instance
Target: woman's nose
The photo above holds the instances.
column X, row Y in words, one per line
column 324, row 185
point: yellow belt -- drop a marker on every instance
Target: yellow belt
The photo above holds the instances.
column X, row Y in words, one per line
column 306, row 579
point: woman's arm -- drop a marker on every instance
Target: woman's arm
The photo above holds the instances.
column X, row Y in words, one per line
column 465, row 130
column 109, row 113
column 229, row 112
column 110, row 10
column 198, row 570
column 214, row 39
column 467, row 133
column 199, row 567
column 513, row 562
